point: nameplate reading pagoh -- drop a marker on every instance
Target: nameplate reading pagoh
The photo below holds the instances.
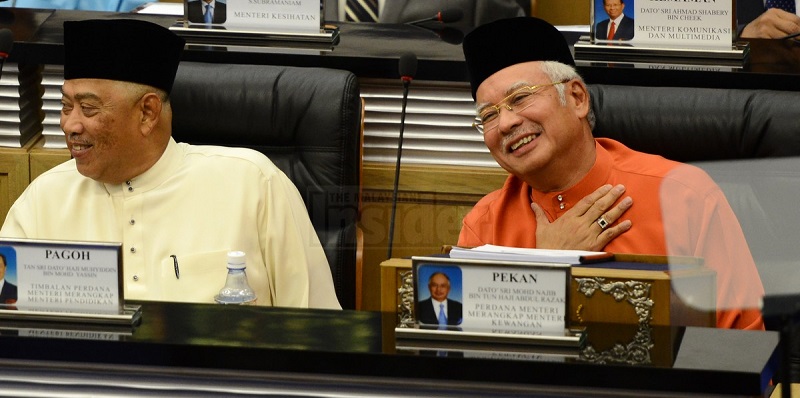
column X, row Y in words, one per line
column 65, row 277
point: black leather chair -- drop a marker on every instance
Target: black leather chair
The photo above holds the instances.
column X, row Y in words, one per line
column 749, row 143
column 699, row 124
column 307, row 121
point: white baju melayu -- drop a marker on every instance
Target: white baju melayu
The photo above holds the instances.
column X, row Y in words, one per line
column 196, row 203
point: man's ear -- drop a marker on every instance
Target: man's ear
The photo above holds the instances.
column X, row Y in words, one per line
column 151, row 112
column 578, row 93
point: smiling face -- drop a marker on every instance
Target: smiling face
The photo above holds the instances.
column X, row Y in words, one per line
column 547, row 142
column 439, row 287
column 107, row 127
column 613, row 8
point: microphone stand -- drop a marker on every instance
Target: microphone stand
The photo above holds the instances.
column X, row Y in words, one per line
column 406, row 82
column 419, row 21
column 443, row 16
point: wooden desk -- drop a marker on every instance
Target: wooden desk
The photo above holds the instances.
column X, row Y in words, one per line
column 182, row 349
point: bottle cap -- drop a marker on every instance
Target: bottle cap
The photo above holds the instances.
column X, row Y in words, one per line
column 236, row 260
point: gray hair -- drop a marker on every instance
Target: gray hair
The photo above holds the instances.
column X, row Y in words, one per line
column 557, row 72
column 138, row 90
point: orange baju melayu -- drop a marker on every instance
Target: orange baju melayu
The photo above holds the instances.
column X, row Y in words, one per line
column 678, row 210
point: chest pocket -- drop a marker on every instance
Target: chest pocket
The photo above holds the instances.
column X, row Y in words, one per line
column 196, row 278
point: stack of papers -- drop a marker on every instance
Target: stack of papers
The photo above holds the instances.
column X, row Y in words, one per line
column 506, row 253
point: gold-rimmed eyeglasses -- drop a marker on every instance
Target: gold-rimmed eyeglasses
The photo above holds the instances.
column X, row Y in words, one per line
column 516, row 102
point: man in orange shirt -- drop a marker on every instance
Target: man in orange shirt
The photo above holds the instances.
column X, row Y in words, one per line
column 566, row 188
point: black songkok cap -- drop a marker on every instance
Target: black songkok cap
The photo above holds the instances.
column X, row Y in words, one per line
column 502, row 43
column 121, row 49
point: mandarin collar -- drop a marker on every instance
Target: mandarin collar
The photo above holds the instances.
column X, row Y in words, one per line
column 597, row 176
column 154, row 176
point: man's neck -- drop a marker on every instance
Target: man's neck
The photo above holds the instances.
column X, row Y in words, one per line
column 149, row 158
column 566, row 171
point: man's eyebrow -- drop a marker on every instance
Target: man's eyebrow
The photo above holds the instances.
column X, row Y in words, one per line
column 510, row 90
column 82, row 96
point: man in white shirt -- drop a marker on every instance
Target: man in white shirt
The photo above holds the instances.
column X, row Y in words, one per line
column 177, row 208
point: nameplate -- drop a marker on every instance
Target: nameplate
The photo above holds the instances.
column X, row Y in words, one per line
column 663, row 66
column 52, row 277
column 667, row 23
column 65, row 331
column 511, row 298
column 297, row 16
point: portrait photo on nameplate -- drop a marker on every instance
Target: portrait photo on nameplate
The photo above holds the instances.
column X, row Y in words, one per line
column 298, row 16
column 709, row 24
column 496, row 297
column 61, row 277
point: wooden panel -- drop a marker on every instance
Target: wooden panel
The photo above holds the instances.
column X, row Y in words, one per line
column 432, row 201
column 778, row 392
column 43, row 159
column 390, row 282
column 420, row 228
column 564, row 12
column 14, row 176
column 461, row 180
column 623, row 303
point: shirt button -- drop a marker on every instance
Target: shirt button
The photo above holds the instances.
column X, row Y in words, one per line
column 128, row 182
column 133, row 221
column 135, row 278
column 561, row 206
column 130, row 189
column 560, row 198
column 133, row 250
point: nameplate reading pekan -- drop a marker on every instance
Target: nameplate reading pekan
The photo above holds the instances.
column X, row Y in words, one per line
column 497, row 297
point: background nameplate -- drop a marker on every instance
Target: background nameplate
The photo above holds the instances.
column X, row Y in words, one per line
column 685, row 23
column 299, row 16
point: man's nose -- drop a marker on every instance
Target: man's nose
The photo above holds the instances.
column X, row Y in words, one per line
column 71, row 123
column 507, row 119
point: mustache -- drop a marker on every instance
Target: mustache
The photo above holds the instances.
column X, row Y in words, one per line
column 74, row 139
column 522, row 131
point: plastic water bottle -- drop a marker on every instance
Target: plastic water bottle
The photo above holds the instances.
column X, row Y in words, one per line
column 236, row 289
